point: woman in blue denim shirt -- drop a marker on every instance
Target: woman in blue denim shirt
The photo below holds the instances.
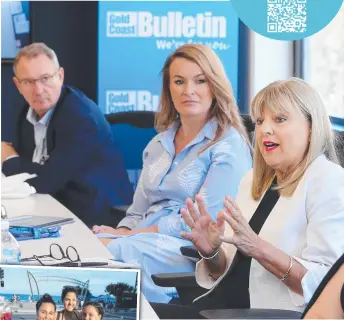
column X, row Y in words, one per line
column 202, row 148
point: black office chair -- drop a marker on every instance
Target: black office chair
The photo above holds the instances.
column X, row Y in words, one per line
column 131, row 129
column 249, row 124
column 188, row 290
column 138, row 119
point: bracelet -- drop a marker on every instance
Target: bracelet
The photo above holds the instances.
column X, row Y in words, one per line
column 290, row 266
column 208, row 258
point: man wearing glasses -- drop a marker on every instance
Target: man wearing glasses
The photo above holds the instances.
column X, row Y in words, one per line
column 63, row 137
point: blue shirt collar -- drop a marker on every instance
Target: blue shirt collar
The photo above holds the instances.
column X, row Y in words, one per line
column 167, row 137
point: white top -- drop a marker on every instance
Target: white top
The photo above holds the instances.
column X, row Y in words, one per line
column 308, row 226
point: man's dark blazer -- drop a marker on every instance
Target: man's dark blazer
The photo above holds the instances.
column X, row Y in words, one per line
column 85, row 170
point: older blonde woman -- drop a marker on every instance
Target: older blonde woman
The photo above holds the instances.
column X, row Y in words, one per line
column 201, row 140
column 272, row 247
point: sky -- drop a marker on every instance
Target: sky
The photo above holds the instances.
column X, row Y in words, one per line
column 16, row 279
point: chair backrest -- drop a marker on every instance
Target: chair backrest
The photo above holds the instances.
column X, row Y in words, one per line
column 138, row 119
column 249, row 125
column 132, row 132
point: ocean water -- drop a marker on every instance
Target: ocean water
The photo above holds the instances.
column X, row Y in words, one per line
column 25, row 297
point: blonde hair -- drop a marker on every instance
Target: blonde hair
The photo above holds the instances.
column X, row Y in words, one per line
column 34, row 50
column 224, row 108
column 293, row 95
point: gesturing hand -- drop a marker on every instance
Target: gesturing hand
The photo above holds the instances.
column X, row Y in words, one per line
column 245, row 239
column 205, row 233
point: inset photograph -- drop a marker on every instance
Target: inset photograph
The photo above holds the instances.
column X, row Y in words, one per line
column 52, row 293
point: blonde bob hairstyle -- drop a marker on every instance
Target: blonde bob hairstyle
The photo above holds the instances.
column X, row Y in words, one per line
column 224, row 108
column 290, row 96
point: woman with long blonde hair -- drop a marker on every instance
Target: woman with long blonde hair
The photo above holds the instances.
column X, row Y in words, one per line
column 202, row 148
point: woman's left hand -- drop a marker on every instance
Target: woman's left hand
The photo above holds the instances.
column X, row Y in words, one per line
column 105, row 229
column 244, row 238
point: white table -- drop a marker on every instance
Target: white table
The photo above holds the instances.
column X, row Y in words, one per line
column 75, row 234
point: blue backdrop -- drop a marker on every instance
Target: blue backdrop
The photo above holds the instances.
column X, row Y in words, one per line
column 135, row 39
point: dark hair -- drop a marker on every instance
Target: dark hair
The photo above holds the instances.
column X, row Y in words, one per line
column 67, row 289
column 46, row 298
column 97, row 306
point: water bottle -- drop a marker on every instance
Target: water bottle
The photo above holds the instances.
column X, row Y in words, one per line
column 10, row 249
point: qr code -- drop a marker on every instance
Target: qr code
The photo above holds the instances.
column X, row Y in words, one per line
column 287, row 15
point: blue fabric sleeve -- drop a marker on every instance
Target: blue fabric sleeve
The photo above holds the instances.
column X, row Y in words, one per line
column 230, row 160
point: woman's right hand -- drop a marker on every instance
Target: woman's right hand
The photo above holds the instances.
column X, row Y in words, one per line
column 205, row 233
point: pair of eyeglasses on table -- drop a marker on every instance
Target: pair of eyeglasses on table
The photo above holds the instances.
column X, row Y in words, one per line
column 57, row 253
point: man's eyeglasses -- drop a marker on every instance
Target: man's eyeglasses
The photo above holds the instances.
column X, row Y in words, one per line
column 57, row 253
column 45, row 80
